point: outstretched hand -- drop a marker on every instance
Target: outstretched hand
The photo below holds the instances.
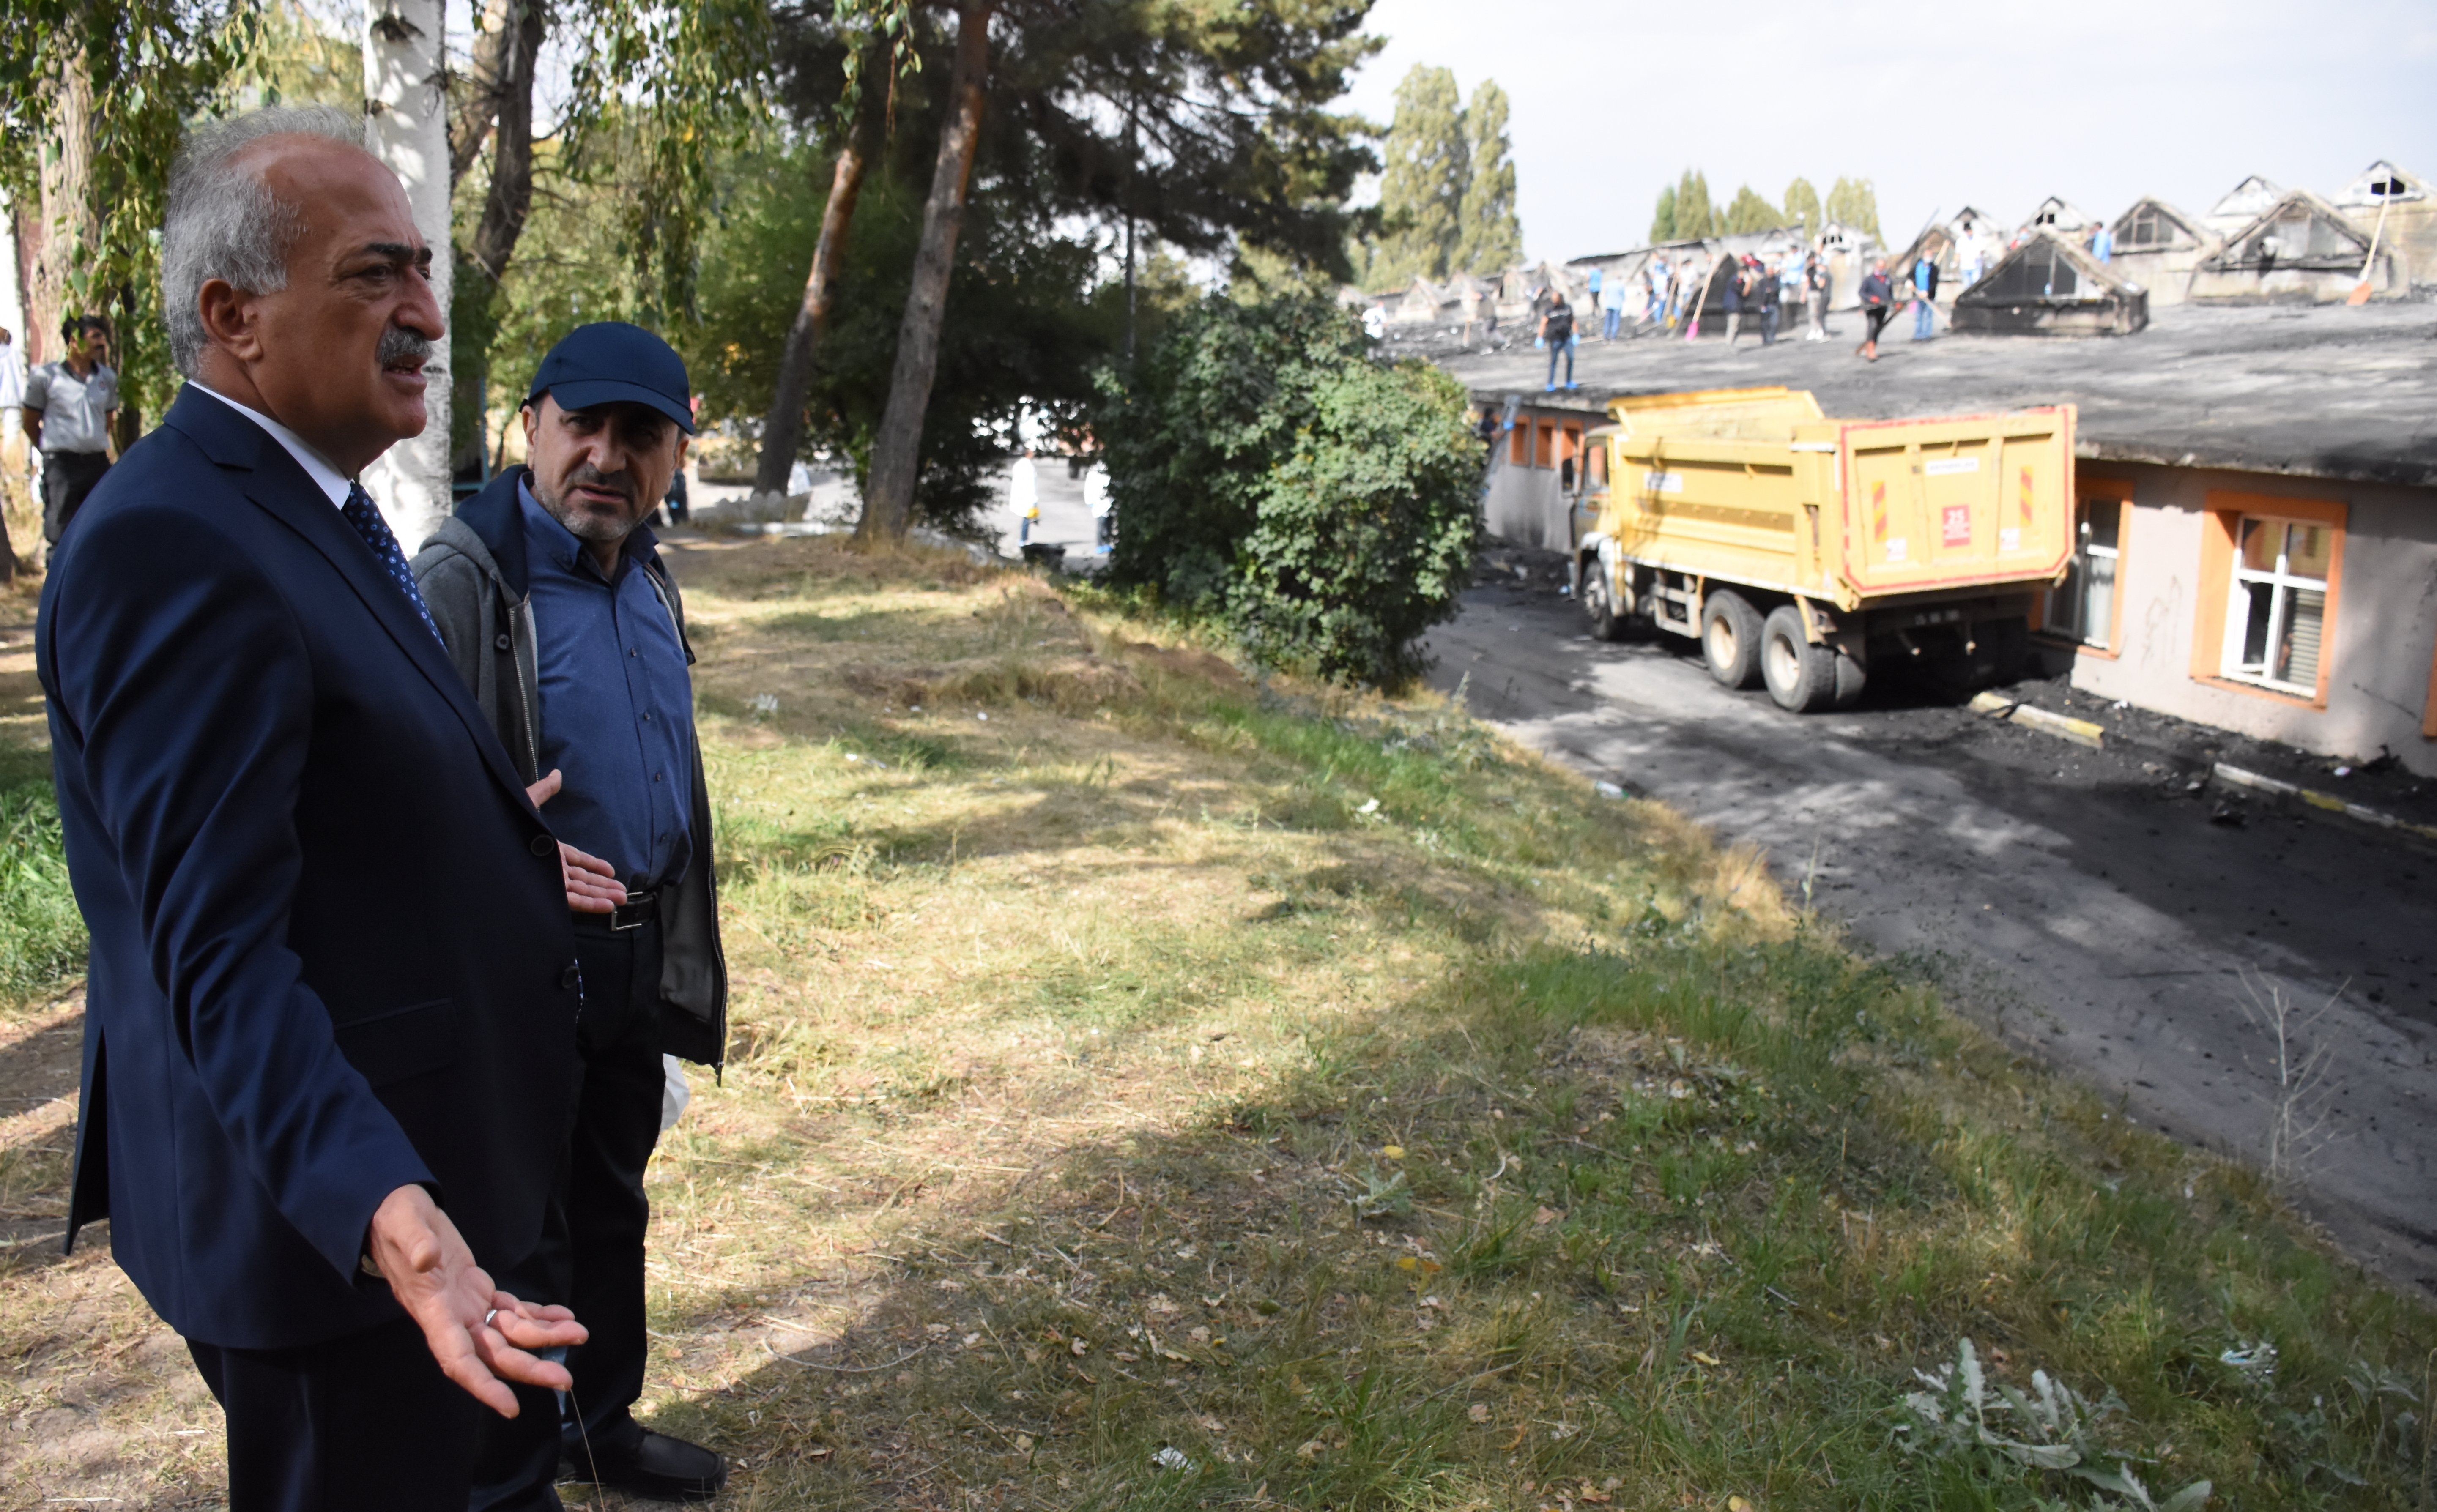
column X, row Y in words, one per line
column 593, row 885
column 481, row 1336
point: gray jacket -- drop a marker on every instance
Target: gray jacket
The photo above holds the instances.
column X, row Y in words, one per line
column 474, row 579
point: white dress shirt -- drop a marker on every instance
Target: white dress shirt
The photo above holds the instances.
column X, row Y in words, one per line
column 325, row 477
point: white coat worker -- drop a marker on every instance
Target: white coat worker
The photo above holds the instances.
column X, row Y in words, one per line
column 1024, row 497
column 1095, row 498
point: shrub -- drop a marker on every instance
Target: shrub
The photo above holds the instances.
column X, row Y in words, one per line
column 1268, row 472
column 42, row 933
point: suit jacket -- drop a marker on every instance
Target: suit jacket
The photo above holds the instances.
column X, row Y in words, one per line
column 330, row 950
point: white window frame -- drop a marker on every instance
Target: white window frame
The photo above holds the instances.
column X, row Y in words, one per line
column 2281, row 584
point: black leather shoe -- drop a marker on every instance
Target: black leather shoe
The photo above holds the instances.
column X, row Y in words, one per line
column 656, row 1467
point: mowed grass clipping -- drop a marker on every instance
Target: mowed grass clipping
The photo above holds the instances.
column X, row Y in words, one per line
column 1152, row 1089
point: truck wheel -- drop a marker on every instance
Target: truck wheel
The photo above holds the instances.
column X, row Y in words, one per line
column 1598, row 601
column 1801, row 676
column 1731, row 633
column 1851, row 677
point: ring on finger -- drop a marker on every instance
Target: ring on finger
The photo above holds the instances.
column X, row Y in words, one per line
column 488, row 1316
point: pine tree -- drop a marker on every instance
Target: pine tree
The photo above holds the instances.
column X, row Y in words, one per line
column 1750, row 212
column 1491, row 238
column 1802, row 204
column 1856, row 202
column 1695, row 214
column 1663, row 223
column 1421, row 194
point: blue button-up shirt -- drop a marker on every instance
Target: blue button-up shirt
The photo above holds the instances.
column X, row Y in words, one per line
column 617, row 703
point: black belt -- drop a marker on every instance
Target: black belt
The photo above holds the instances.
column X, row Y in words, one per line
column 639, row 910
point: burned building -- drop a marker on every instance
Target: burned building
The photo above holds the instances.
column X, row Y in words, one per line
column 2058, row 215
column 2048, row 285
column 2301, row 250
column 2157, row 246
column 2241, row 205
column 2252, row 556
column 2401, row 214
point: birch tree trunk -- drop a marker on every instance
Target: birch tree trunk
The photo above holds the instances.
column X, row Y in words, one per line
column 897, row 451
column 70, row 228
column 783, row 432
column 406, row 98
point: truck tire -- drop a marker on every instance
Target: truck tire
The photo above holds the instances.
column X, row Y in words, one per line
column 1598, row 601
column 1801, row 676
column 1851, row 677
column 1731, row 637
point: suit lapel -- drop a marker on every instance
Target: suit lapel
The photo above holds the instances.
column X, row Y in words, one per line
column 278, row 485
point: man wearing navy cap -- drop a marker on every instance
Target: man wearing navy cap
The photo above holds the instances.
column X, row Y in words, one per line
column 557, row 611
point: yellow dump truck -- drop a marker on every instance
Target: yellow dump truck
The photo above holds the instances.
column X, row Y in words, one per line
column 1803, row 552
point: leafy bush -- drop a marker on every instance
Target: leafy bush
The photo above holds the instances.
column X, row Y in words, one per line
column 1268, row 472
column 42, row 933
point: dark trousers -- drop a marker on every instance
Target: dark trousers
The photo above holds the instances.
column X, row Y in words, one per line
column 1561, row 349
column 1877, row 315
column 67, row 478
column 366, row 1423
column 1768, row 325
column 591, row 1253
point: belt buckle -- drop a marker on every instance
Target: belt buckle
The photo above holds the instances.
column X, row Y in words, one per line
column 631, row 914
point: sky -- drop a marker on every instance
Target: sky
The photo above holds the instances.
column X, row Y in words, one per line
column 1993, row 105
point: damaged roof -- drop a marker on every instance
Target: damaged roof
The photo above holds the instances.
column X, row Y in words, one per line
column 2333, row 392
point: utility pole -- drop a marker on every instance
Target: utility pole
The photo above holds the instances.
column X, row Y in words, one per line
column 406, row 103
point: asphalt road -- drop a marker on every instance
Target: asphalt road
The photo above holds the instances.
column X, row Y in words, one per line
column 2098, row 914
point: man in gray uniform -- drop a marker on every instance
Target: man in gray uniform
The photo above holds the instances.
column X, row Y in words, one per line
column 68, row 406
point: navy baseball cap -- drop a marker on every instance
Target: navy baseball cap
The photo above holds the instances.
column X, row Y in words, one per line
column 609, row 362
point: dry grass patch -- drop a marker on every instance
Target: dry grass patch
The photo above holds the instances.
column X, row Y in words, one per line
column 1155, row 1089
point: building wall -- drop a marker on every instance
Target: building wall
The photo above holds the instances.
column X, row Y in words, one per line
column 1525, row 508
column 2165, row 272
column 2378, row 655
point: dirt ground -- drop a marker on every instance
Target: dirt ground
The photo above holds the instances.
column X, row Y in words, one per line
column 2094, row 905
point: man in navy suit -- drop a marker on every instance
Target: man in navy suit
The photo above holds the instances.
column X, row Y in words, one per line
column 331, row 1009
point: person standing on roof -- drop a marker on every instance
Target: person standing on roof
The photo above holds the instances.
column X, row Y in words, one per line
column 1557, row 330
column 1876, row 295
column 2102, row 243
column 1736, row 280
column 1924, row 296
column 1771, row 293
column 1595, row 282
column 1815, row 283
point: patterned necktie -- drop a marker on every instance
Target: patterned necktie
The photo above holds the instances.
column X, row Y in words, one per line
column 360, row 514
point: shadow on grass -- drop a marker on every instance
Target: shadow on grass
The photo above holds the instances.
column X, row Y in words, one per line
column 1666, row 1221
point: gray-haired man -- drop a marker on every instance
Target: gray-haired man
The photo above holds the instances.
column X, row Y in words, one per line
column 330, row 1019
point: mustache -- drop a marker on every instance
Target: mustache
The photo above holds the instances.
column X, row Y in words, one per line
column 621, row 483
column 397, row 345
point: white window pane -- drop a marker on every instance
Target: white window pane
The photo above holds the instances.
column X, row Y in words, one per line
column 2099, row 600
column 2297, row 658
column 2253, row 602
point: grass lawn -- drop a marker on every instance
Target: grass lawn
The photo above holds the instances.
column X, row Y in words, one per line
column 1153, row 1090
